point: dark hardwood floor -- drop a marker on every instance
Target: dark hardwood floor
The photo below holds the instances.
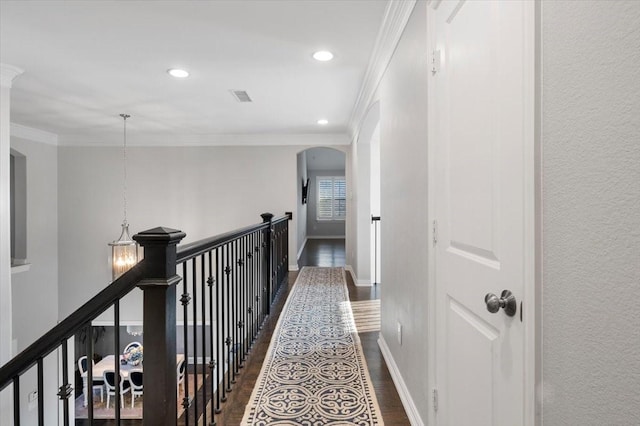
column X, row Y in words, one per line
column 316, row 253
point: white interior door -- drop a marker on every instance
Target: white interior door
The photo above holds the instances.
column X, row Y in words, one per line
column 481, row 118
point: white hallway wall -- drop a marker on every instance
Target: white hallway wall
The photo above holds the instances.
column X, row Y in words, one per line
column 590, row 218
column 35, row 291
column 403, row 194
column 7, row 74
column 591, row 212
column 364, row 150
column 202, row 191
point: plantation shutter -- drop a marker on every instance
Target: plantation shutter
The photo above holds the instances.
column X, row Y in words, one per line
column 339, row 198
column 332, row 198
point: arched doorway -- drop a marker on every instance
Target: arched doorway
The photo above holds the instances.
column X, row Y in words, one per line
column 322, row 202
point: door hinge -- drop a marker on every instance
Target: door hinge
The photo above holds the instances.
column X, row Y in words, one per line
column 435, row 61
column 435, row 232
column 435, row 400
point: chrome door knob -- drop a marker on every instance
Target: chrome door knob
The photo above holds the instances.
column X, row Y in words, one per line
column 507, row 302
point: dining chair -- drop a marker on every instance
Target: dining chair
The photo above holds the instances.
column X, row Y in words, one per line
column 135, row 378
column 110, row 384
column 97, row 384
column 180, row 372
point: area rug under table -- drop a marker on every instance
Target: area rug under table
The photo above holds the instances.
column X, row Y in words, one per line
column 314, row 372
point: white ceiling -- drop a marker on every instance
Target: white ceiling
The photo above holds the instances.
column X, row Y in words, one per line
column 86, row 62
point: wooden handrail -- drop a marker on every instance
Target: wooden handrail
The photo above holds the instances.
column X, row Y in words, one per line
column 191, row 250
column 51, row 340
column 157, row 276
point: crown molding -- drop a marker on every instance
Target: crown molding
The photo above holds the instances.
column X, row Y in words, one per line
column 32, row 134
column 8, row 73
column 168, row 140
column 395, row 19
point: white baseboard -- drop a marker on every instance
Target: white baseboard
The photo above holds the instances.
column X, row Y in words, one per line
column 304, row 243
column 326, row 237
column 401, row 387
column 293, row 267
column 356, row 281
column 350, row 270
column 363, row 283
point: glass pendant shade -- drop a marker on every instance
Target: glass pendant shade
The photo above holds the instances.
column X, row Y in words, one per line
column 135, row 330
column 124, row 253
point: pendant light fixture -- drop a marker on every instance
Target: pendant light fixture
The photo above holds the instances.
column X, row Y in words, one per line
column 135, row 330
column 124, row 251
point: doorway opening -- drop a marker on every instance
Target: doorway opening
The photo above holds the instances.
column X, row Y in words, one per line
column 322, row 199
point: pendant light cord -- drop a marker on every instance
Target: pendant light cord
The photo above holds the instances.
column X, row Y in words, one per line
column 124, row 162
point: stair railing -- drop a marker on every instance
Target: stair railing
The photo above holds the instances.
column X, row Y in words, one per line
column 230, row 281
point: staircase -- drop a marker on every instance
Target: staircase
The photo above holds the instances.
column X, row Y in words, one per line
column 227, row 284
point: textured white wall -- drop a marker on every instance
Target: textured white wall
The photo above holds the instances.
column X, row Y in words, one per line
column 35, row 292
column 363, row 218
column 403, row 198
column 591, row 212
column 5, row 238
column 361, row 154
column 351, row 225
column 202, row 191
column 375, row 239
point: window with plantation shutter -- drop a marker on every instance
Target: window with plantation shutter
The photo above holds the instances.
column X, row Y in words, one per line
column 332, row 198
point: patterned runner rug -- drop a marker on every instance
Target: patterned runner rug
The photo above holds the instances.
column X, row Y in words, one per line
column 314, row 372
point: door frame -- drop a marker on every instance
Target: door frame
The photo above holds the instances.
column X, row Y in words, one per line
column 532, row 300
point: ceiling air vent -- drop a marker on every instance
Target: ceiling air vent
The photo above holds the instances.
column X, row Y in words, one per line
column 241, row 95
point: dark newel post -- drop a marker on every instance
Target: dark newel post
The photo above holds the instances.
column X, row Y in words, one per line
column 159, row 287
column 268, row 273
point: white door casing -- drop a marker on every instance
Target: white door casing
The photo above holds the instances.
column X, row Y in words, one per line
column 481, row 121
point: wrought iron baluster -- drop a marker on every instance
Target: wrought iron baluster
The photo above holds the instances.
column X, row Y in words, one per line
column 117, row 352
column 203, row 322
column 212, row 360
column 40, row 392
column 250, row 256
column 16, row 401
column 194, row 323
column 219, row 331
column 240, row 285
column 234, row 301
column 227, row 340
column 185, row 337
column 65, row 389
column 245, row 298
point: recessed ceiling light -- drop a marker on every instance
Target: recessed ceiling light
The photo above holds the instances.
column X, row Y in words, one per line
column 178, row 73
column 323, row 122
column 323, row 55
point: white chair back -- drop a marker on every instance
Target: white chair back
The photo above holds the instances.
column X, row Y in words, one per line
column 180, row 371
column 109, row 377
column 136, row 378
column 97, row 383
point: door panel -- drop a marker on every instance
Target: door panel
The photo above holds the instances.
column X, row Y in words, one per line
column 471, row 164
column 479, row 120
column 473, row 336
